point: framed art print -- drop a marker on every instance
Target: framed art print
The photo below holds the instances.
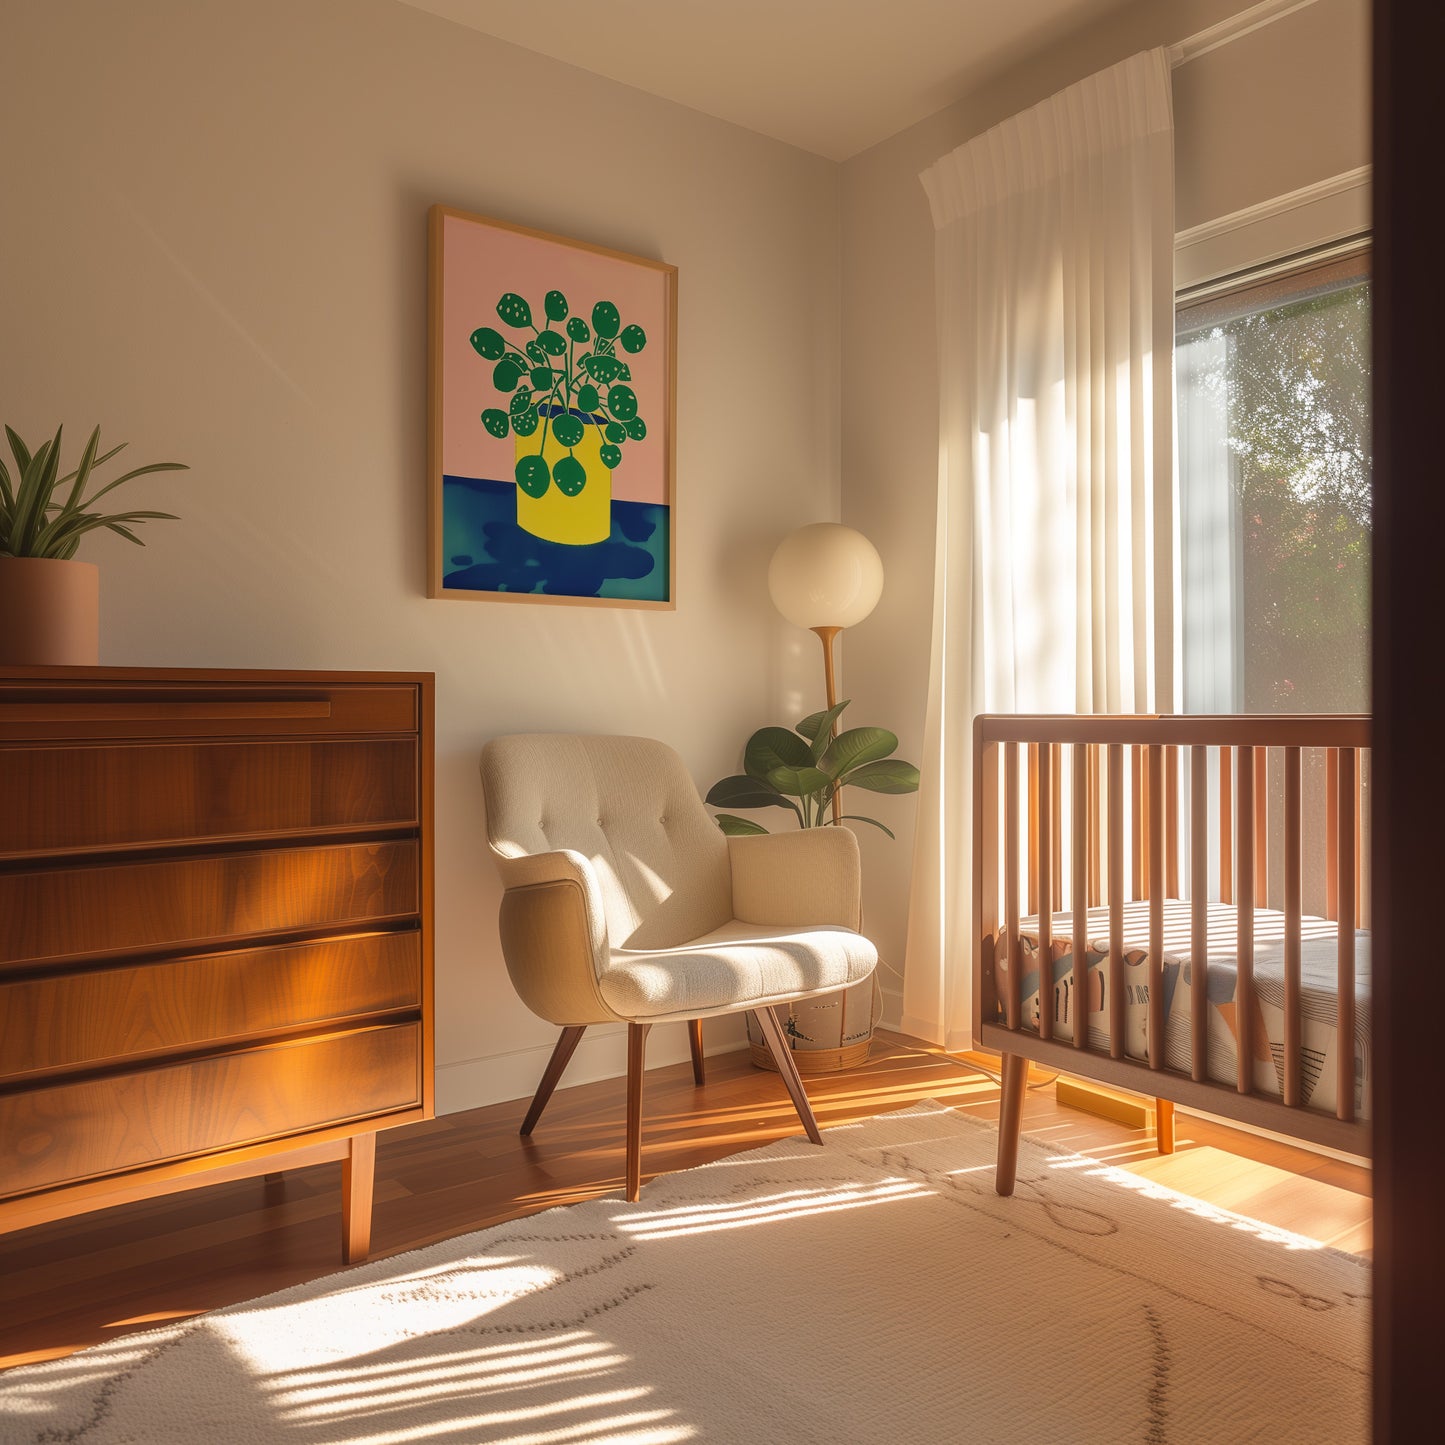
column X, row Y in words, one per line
column 553, row 380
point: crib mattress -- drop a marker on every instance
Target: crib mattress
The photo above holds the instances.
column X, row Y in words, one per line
column 1318, row 983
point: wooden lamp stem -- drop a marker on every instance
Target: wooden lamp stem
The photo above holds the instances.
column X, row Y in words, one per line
column 826, row 636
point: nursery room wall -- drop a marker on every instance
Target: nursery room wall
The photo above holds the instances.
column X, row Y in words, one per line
column 216, row 248
column 1280, row 108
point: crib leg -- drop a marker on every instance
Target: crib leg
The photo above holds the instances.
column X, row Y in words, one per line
column 1010, row 1119
column 1164, row 1125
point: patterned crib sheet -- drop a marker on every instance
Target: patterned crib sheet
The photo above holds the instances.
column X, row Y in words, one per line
column 1319, row 1047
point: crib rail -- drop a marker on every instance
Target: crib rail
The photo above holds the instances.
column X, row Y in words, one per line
column 1073, row 812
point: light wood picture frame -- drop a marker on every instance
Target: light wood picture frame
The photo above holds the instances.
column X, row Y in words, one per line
column 552, row 418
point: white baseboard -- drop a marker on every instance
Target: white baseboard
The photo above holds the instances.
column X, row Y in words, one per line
column 892, row 1014
column 602, row 1054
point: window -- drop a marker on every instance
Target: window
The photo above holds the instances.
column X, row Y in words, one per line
column 1273, row 378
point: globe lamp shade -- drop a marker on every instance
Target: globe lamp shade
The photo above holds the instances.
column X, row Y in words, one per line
column 825, row 575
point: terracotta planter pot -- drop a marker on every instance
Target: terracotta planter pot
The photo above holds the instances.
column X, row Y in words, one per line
column 49, row 612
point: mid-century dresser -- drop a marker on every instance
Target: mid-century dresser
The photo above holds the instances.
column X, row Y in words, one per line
column 215, row 930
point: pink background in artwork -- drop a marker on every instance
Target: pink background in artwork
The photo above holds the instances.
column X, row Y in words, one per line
column 480, row 263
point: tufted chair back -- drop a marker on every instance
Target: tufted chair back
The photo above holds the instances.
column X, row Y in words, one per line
column 628, row 806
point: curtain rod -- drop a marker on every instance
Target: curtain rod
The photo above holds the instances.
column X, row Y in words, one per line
column 1234, row 28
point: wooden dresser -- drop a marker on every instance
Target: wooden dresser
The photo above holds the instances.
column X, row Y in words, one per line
column 215, row 930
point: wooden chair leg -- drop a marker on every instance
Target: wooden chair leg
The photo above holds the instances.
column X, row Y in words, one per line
column 1010, row 1119
column 358, row 1177
column 694, row 1037
column 783, row 1058
column 636, row 1039
column 1164, row 1125
column 561, row 1055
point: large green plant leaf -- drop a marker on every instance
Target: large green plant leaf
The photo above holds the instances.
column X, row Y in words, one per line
column 856, row 746
column 892, row 775
column 736, row 827
column 818, row 728
column 771, row 748
column 741, row 791
column 799, row 782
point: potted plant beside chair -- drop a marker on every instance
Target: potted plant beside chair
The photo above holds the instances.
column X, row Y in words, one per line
column 49, row 602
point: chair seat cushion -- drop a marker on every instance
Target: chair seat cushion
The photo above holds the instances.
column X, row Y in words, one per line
column 737, row 966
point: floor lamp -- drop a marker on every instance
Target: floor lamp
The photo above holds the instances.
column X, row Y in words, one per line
column 826, row 577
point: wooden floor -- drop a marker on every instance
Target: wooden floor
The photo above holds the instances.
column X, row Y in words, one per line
column 68, row 1285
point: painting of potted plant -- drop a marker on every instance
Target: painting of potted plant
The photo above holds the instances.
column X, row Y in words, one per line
column 49, row 601
column 552, row 412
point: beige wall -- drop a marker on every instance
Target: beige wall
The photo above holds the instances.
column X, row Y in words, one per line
column 1275, row 110
column 214, row 245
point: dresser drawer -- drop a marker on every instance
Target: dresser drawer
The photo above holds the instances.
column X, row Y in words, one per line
column 74, row 1131
column 89, row 1017
column 32, row 711
column 115, row 909
column 96, row 797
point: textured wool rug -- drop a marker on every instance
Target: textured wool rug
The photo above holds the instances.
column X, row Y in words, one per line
column 873, row 1290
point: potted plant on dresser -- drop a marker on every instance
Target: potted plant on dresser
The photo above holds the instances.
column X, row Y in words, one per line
column 49, row 602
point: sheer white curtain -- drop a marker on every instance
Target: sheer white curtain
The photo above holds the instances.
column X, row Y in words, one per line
column 1055, row 587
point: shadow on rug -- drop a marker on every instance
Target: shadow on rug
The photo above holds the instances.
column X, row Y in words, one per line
column 875, row 1289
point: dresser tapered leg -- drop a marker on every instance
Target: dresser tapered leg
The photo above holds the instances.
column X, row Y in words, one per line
column 358, row 1178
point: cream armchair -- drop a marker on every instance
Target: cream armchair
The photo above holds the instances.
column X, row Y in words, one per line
column 624, row 903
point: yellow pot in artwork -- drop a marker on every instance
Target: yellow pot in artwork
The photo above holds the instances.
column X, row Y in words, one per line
column 566, row 513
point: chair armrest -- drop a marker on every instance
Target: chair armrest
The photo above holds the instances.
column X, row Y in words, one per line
column 812, row 876
column 554, row 935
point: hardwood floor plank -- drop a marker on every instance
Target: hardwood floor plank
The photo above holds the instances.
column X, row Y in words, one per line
column 75, row 1282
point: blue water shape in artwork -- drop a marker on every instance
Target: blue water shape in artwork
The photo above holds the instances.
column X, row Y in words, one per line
column 484, row 550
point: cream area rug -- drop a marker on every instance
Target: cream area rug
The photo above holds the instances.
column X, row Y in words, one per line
column 873, row 1290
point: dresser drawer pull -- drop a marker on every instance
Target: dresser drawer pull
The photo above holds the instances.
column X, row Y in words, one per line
column 121, row 711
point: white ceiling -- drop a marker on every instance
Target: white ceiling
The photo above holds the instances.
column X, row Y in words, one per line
column 831, row 76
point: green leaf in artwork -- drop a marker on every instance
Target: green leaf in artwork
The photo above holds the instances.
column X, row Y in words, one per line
column 542, row 377
column 890, row 775
column 535, row 352
column 587, row 397
column 736, row 827
column 633, row 338
column 506, row 374
column 770, row 748
column 605, row 319
column 611, row 456
column 489, row 343
column 636, row 428
column 495, row 421
column 533, row 475
column 567, row 429
column 856, row 746
column 578, row 330
column 615, row 432
column 551, row 342
column 525, row 423
column 570, row 476
column 624, row 372
column 601, row 368
column 555, row 305
column 521, row 401
column 622, row 402
column 513, row 309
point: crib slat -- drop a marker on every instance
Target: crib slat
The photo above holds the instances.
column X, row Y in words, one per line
column 1332, row 832
column 1012, row 954
column 1226, row 826
column 1116, row 900
column 985, row 877
column 1171, row 820
column 1244, row 912
column 1096, row 813
column 1046, row 892
column 1199, row 912
column 1080, row 861
column 1056, row 765
column 1136, row 800
column 1033, row 899
column 1155, row 887
column 1261, row 827
column 1345, row 982
column 1292, row 909
column 1359, row 869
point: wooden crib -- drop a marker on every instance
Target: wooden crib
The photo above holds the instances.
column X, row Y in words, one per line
column 1147, row 848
